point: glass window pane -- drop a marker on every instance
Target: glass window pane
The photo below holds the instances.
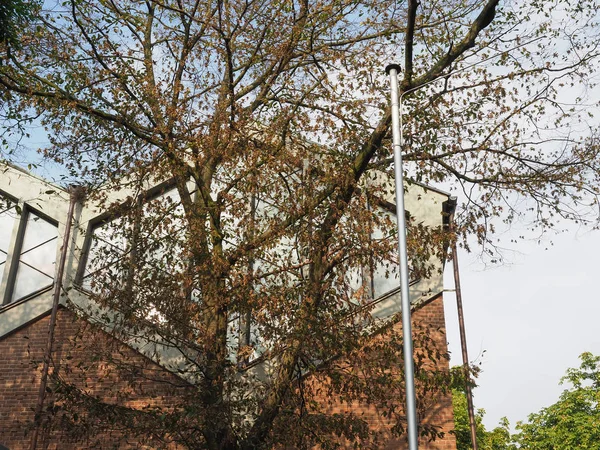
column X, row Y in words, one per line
column 42, row 258
column 8, row 216
column 29, row 281
column 107, row 247
column 386, row 277
column 37, row 232
column 161, row 232
column 386, row 273
column 37, row 258
column 128, row 251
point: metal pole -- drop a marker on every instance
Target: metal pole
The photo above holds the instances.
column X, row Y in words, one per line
column 411, row 410
column 76, row 194
column 463, row 342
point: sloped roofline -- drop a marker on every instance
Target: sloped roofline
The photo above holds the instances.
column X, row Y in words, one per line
column 24, row 171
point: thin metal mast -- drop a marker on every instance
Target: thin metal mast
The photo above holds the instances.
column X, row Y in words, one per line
column 463, row 341
column 411, row 411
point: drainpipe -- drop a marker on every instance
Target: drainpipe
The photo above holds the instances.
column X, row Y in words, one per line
column 76, row 194
column 463, row 339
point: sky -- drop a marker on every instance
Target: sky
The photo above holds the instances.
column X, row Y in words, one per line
column 527, row 321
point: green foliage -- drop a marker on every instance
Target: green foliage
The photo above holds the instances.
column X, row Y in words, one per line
column 574, row 421
column 13, row 14
column 497, row 439
column 462, row 429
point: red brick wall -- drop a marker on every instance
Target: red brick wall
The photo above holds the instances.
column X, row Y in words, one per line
column 382, row 411
column 78, row 346
column 439, row 410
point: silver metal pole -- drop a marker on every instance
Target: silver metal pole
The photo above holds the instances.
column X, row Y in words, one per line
column 411, row 411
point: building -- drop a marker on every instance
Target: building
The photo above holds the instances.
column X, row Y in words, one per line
column 140, row 373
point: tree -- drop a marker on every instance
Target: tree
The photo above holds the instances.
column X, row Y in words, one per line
column 13, row 15
column 572, row 422
column 462, row 429
column 499, row 438
column 284, row 103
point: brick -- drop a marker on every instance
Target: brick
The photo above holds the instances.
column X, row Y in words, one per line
column 20, row 369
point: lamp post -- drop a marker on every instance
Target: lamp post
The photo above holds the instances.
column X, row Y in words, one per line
column 411, row 411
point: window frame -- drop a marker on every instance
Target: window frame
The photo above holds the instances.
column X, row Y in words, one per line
column 14, row 251
column 6, row 266
column 106, row 217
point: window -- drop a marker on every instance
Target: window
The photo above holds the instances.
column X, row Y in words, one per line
column 157, row 233
column 34, row 261
column 107, row 247
column 384, row 274
column 37, row 257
